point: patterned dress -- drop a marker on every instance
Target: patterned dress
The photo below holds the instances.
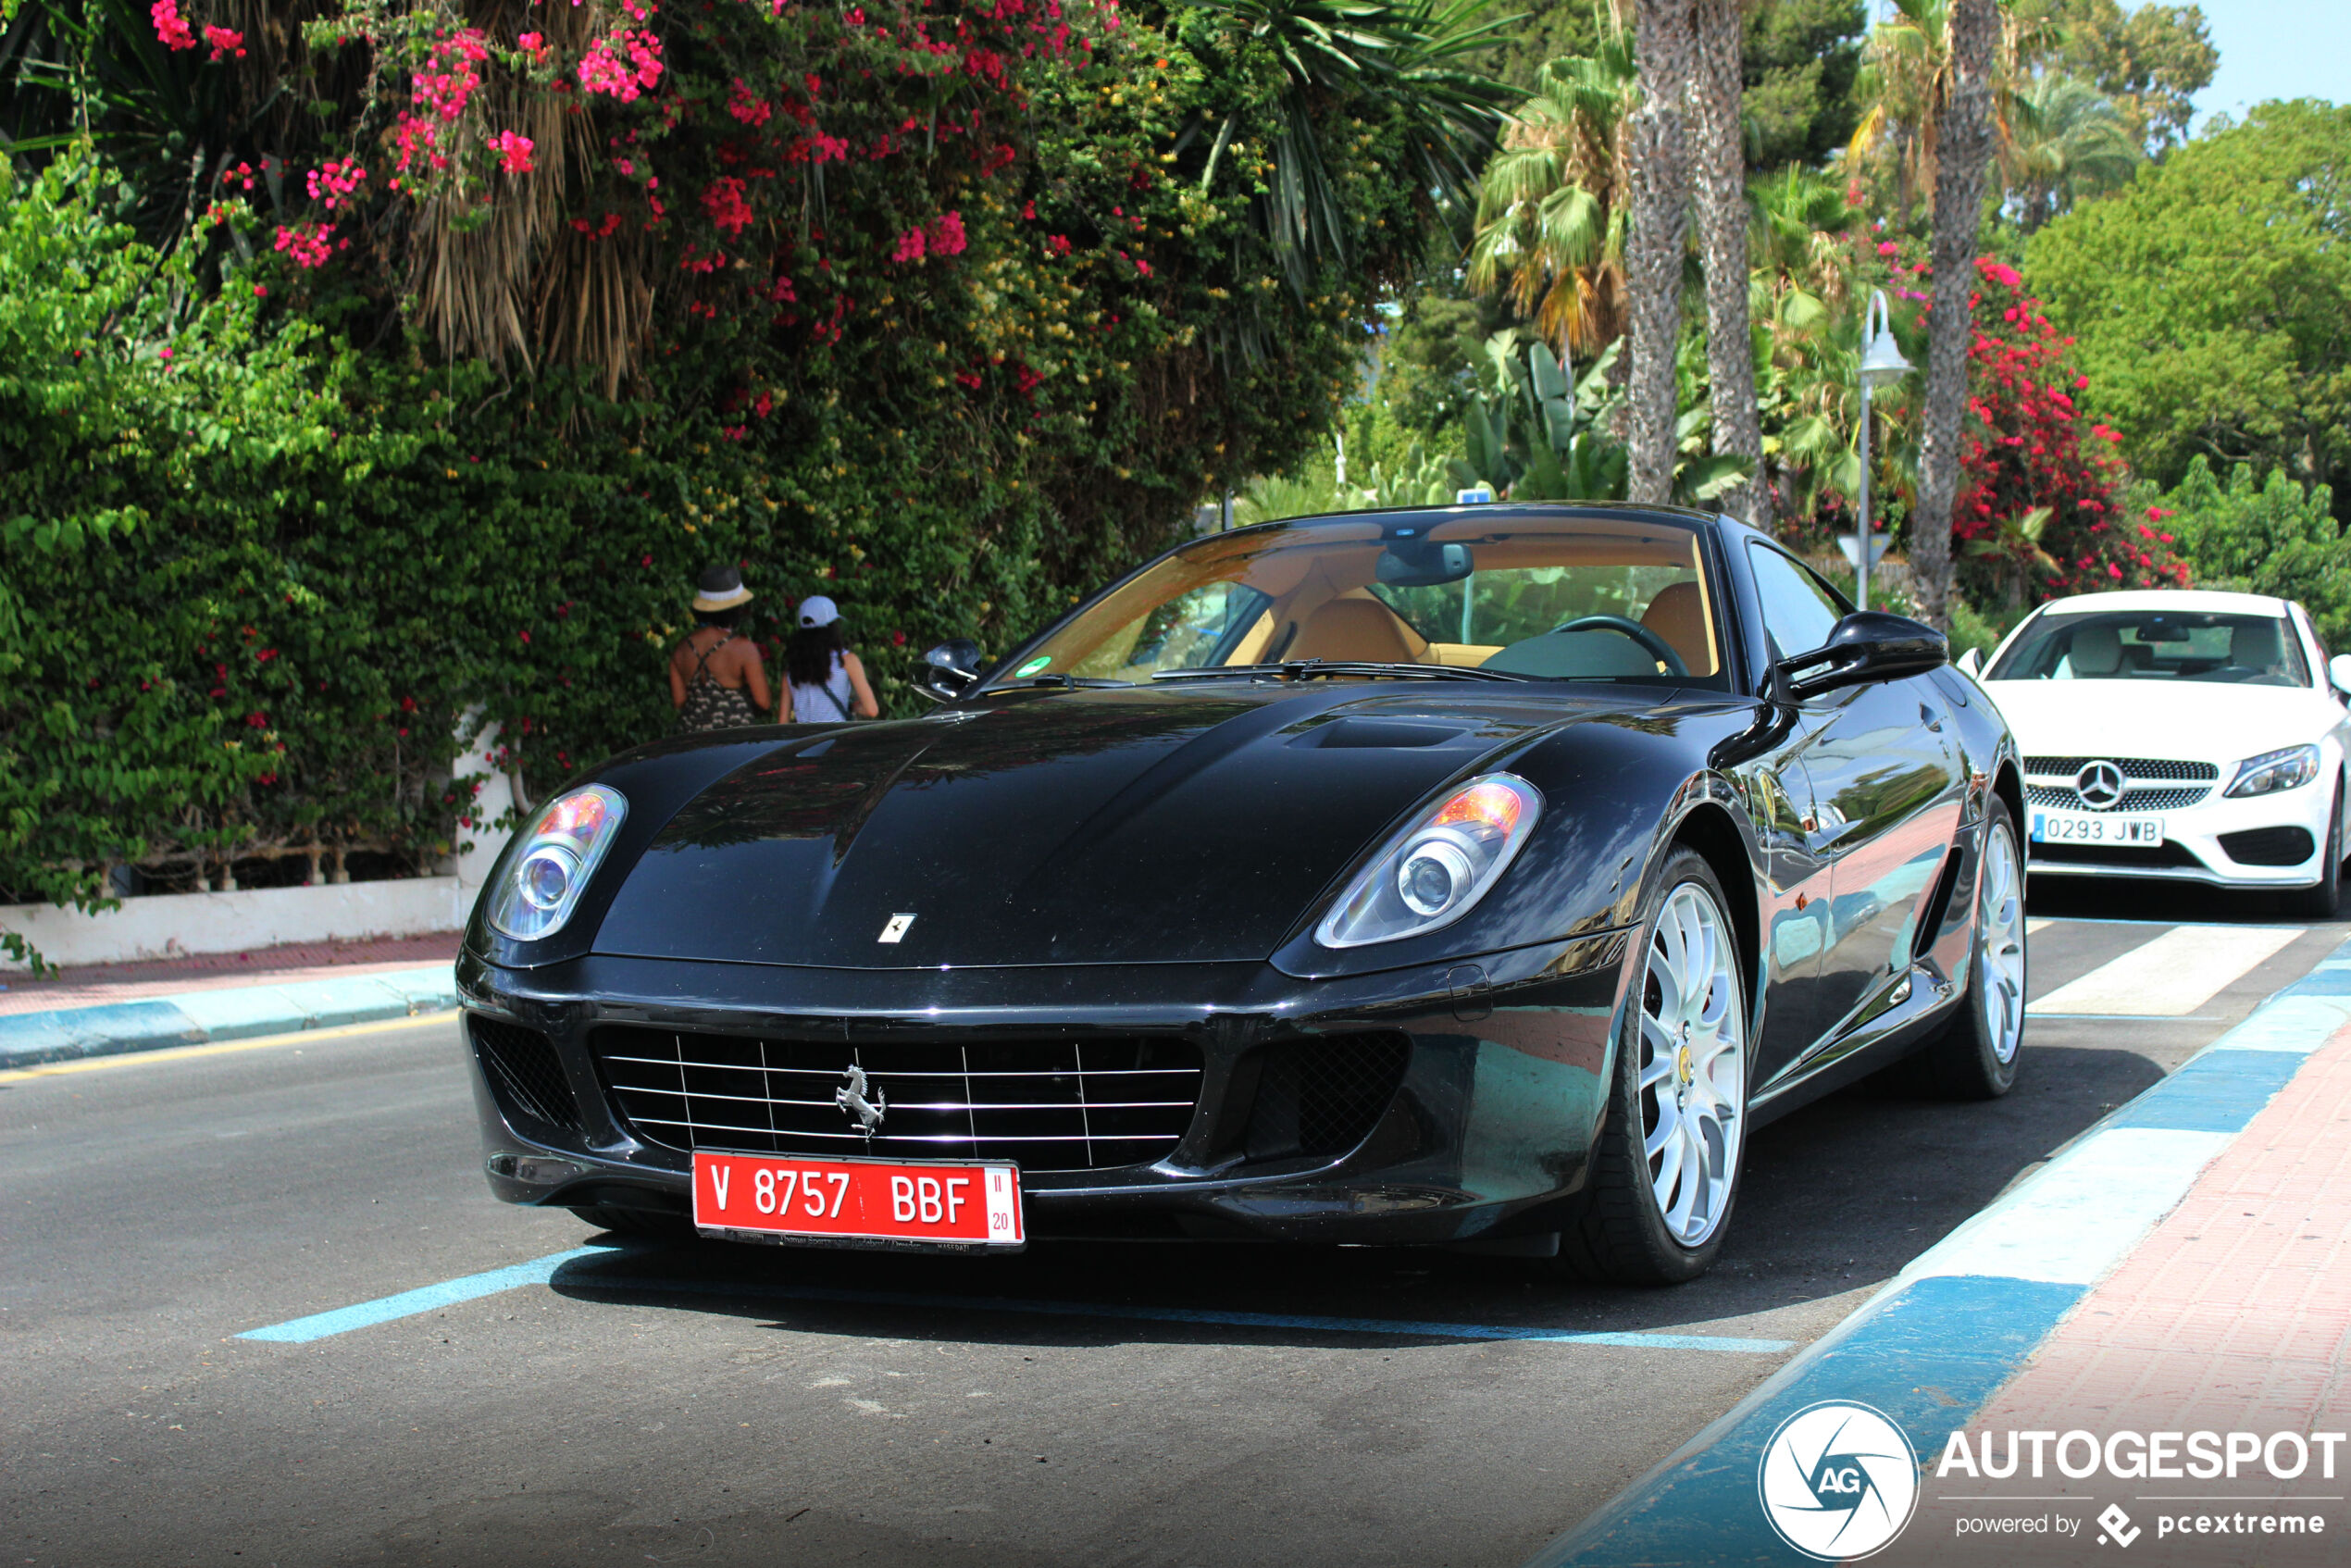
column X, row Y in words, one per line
column 710, row 706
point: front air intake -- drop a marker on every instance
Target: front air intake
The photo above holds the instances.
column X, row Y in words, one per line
column 1320, row 1095
column 526, row 1077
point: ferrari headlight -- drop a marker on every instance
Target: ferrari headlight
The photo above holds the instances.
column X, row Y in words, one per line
column 2274, row 771
column 559, row 853
column 1432, row 873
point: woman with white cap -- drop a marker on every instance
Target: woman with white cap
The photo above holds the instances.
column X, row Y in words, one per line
column 717, row 680
column 827, row 680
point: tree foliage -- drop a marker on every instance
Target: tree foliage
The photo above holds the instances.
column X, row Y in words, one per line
column 2209, row 297
column 2260, row 536
column 2152, row 60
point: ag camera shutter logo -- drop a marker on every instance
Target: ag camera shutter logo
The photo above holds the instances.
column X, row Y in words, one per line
column 1838, row 1481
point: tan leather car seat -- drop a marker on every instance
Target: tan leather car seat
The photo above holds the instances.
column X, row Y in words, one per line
column 1678, row 614
column 1357, row 627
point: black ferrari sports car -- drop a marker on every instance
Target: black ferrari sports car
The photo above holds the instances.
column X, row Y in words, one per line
column 1474, row 876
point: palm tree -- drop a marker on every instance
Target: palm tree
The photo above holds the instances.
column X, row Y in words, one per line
column 2070, row 142
column 1715, row 91
column 1907, row 79
column 1665, row 44
column 1417, row 53
column 1552, row 203
column 1964, row 132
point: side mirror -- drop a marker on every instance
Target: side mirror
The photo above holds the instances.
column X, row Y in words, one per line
column 1866, row 646
column 950, row 670
column 2338, row 673
column 1972, row 662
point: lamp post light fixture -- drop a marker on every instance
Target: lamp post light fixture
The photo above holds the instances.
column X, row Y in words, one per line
column 1882, row 366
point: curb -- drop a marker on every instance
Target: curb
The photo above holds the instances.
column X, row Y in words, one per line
column 33, row 1039
column 1956, row 1323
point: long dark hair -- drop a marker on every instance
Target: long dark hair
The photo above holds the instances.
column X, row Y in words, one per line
column 808, row 657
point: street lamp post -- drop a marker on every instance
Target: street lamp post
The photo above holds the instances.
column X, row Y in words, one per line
column 1882, row 366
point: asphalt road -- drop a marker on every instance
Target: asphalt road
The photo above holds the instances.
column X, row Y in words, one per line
column 698, row 1404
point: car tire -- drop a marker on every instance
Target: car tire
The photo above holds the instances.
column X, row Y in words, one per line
column 1625, row 1232
column 641, row 1224
column 1976, row 1054
column 2325, row 900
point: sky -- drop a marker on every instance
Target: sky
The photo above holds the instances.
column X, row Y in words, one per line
column 2276, row 49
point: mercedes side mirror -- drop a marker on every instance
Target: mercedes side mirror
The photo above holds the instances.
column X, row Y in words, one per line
column 950, row 670
column 2338, row 673
column 1866, row 646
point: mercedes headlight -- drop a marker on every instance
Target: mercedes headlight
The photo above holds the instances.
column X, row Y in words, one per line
column 1431, row 874
column 559, row 853
column 2274, row 771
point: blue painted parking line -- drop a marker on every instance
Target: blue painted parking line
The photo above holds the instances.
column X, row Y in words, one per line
column 554, row 1269
column 408, row 1303
column 33, row 1039
column 1943, row 1337
column 571, row 1279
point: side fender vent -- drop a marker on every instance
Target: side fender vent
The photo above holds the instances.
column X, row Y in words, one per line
column 526, row 1077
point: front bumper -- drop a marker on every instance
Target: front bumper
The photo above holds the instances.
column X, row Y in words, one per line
column 2198, row 840
column 1486, row 1135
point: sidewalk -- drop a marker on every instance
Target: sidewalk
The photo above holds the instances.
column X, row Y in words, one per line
column 2181, row 1271
column 106, row 1010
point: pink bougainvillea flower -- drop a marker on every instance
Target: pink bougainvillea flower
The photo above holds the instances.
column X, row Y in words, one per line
column 532, row 42
column 625, row 65
column 1885, row 247
column 946, row 234
column 910, row 247
column 225, row 41
column 723, row 202
column 171, row 27
column 514, row 151
column 334, row 182
column 308, row 244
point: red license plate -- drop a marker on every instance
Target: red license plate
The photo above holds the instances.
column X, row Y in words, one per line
column 957, row 1205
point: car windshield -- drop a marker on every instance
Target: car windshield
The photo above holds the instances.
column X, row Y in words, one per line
column 2249, row 649
column 1547, row 599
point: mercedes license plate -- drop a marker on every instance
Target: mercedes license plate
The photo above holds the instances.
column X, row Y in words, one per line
column 918, row 1202
column 2095, row 828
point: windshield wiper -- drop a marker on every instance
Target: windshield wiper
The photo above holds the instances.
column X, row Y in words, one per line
column 1307, row 669
column 1063, row 681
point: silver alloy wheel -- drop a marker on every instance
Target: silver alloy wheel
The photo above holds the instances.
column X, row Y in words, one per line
column 2000, row 908
column 1693, row 1077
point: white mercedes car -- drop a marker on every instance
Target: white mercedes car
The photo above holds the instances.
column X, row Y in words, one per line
column 2179, row 733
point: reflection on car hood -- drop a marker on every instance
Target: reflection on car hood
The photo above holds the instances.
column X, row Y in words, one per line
column 2201, row 721
column 1190, row 824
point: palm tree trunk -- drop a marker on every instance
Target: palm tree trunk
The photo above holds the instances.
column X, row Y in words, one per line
column 1664, row 40
column 1723, row 221
column 1964, row 150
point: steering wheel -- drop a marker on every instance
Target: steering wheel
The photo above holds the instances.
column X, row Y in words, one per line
column 1649, row 641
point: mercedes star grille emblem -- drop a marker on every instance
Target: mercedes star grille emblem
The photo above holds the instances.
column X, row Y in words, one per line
column 2099, row 785
column 851, row 1096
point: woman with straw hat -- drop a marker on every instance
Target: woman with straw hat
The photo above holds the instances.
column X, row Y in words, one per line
column 716, row 680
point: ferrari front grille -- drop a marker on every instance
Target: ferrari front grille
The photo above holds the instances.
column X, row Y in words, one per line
column 1050, row 1105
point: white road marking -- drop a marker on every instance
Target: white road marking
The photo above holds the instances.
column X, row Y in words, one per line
column 2034, row 927
column 2173, row 975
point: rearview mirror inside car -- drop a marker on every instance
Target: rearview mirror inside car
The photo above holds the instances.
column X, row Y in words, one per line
column 1420, row 563
column 1866, row 646
column 950, row 670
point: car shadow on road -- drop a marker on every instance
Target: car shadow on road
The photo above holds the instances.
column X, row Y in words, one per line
column 2155, row 901
column 1837, row 1197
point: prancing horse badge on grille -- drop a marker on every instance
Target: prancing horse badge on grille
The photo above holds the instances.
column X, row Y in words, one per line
column 851, row 1096
column 896, row 930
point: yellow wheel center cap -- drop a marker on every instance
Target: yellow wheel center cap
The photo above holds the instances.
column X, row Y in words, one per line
column 1683, row 1065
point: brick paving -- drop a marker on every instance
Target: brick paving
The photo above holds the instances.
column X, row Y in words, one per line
column 97, row 983
column 2235, row 1314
